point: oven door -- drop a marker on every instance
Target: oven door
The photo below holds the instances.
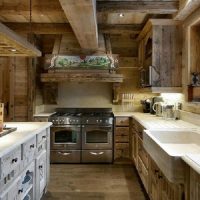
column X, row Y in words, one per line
column 65, row 137
column 97, row 137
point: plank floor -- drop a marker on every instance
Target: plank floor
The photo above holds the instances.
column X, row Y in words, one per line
column 94, row 182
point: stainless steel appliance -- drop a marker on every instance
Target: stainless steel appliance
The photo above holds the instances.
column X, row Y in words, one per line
column 65, row 137
column 97, row 137
column 82, row 135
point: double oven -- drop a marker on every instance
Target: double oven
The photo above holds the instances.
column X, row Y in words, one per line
column 66, row 144
column 86, row 140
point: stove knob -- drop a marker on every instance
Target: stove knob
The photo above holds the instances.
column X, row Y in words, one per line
column 100, row 120
column 87, row 121
column 77, row 120
column 97, row 121
column 106, row 121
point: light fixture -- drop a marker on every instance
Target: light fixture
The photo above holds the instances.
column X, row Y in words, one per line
column 121, row 14
column 13, row 50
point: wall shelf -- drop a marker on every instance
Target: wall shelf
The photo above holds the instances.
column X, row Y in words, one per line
column 82, row 77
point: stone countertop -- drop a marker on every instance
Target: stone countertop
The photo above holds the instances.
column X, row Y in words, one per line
column 25, row 130
column 123, row 114
column 43, row 114
column 152, row 122
column 193, row 160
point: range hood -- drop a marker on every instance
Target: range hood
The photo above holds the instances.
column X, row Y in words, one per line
column 11, row 44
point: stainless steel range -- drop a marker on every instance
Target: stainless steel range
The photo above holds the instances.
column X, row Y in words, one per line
column 82, row 135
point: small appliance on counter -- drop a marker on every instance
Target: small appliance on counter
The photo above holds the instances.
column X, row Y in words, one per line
column 146, row 105
column 158, row 108
column 155, row 100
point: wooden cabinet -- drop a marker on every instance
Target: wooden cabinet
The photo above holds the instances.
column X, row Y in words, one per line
column 122, row 140
column 160, row 55
column 155, row 183
column 194, row 185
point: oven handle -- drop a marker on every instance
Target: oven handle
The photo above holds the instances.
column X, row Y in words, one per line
column 64, row 153
column 96, row 154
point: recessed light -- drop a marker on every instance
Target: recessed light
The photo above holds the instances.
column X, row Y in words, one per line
column 121, row 14
column 13, row 50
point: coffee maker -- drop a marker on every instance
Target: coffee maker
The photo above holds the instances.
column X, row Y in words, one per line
column 153, row 101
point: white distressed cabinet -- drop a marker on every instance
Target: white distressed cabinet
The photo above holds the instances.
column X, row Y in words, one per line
column 24, row 171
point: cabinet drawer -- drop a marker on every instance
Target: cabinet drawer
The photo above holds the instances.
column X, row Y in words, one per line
column 10, row 162
column 122, row 121
column 41, row 137
column 122, row 150
column 29, row 149
column 122, row 139
column 143, row 172
column 142, row 153
column 122, row 131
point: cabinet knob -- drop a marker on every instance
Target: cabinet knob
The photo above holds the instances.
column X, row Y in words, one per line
column 43, row 137
column 156, row 171
column 14, row 160
column 20, row 191
column 40, row 166
column 32, row 146
column 160, row 176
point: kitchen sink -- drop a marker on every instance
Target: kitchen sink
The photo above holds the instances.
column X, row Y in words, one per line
column 167, row 147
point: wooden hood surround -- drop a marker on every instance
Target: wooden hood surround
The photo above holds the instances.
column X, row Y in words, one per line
column 12, row 44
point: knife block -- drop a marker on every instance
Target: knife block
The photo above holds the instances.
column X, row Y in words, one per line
column 1, row 116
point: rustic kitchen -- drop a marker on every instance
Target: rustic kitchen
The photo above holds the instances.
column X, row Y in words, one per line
column 100, row 100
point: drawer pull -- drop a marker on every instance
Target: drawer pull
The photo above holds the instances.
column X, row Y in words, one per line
column 32, row 146
column 43, row 137
column 14, row 160
column 156, row 171
column 40, row 166
column 20, row 191
column 64, row 153
column 160, row 176
column 96, row 154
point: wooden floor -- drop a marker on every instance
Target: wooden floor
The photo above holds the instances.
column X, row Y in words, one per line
column 94, row 182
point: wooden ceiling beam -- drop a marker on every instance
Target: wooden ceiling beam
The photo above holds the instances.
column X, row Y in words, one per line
column 187, row 7
column 81, row 14
column 120, row 28
column 41, row 28
column 153, row 7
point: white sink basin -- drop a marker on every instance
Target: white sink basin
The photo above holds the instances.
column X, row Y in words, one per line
column 167, row 147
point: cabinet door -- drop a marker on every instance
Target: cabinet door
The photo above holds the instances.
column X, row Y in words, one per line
column 135, row 149
column 41, row 174
column 154, row 188
column 11, row 193
column 194, row 185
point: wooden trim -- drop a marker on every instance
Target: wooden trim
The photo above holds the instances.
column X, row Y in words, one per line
column 162, row 89
column 81, row 77
column 10, row 40
column 164, row 7
column 154, row 22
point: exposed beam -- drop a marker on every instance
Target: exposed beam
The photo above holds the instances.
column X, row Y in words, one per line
column 154, row 7
column 187, row 7
column 120, row 29
column 39, row 7
column 82, row 17
column 41, row 28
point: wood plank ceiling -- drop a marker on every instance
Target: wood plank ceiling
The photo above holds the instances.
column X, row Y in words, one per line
column 48, row 17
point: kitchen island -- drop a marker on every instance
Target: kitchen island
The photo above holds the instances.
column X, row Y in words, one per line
column 25, row 161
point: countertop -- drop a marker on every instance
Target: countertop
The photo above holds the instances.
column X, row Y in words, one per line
column 44, row 114
column 25, row 130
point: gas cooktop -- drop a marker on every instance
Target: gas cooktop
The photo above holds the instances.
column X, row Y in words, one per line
column 78, row 116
